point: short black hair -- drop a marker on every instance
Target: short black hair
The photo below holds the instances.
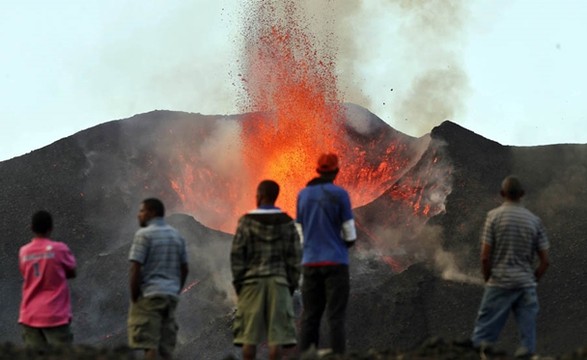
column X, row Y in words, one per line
column 42, row 222
column 155, row 205
column 512, row 188
column 269, row 189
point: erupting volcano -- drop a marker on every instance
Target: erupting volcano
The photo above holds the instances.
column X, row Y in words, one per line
column 294, row 112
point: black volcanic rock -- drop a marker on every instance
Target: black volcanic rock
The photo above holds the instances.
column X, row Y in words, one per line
column 401, row 294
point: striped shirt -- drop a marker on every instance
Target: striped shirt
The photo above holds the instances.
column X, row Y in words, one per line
column 160, row 250
column 515, row 235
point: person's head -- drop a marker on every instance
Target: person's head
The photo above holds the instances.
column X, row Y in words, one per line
column 267, row 192
column 42, row 223
column 150, row 208
column 511, row 188
column 328, row 165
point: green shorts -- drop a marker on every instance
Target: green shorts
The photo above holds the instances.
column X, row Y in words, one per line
column 264, row 309
column 42, row 337
column 152, row 325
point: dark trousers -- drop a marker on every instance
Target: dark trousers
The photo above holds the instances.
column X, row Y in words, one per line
column 324, row 288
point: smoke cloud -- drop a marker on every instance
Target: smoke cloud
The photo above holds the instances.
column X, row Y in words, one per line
column 401, row 59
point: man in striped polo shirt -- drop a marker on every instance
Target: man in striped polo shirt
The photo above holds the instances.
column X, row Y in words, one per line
column 158, row 270
column 511, row 239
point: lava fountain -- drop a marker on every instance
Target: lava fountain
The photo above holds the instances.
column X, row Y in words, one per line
column 293, row 112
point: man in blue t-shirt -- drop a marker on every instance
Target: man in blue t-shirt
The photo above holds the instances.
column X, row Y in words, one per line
column 325, row 216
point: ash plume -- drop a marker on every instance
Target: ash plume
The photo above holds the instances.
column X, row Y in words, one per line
column 401, row 59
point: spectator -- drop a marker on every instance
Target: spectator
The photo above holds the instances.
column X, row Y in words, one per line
column 158, row 270
column 511, row 238
column 325, row 216
column 265, row 262
column 45, row 310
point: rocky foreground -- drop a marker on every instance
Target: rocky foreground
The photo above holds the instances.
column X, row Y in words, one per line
column 433, row 348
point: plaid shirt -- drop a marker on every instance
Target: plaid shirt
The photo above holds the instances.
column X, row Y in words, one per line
column 266, row 243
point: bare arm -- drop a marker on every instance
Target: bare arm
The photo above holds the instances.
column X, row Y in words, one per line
column 135, row 280
column 543, row 265
column 486, row 261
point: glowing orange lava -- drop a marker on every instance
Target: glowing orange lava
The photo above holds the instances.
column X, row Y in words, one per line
column 294, row 113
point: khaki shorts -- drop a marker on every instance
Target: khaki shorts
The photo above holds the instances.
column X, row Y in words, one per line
column 264, row 308
column 42, row 337
column 152, row 325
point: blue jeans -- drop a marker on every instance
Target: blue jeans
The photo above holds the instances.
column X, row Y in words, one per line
column 495, row 309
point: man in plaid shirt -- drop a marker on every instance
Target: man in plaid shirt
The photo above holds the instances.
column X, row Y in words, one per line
column 265, row 261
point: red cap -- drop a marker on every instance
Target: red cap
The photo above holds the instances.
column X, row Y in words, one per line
column 327, row 163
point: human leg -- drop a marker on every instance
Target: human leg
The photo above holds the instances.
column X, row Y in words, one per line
column 492, row 316
column 313, row 300
column 59, row 335
column 249, row 351
column 274, row 352
column 248, row 326
column 280, row 325
column 33, row 337
column 151, row 354
column 526, row 311
column 337, row 287
column 144, row 324
column 169, row 328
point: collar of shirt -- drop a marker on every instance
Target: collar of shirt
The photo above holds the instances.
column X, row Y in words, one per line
column 37, row 238
column 156, row 221
column 266, row 209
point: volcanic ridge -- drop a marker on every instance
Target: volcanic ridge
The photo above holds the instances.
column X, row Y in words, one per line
column 419, row 206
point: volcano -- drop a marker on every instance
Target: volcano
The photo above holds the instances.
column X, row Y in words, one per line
column 419, row 205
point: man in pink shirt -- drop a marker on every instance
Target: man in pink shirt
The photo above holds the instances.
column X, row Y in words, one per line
column 45, row 310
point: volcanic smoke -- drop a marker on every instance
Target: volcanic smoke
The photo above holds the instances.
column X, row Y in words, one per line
column 293, row 112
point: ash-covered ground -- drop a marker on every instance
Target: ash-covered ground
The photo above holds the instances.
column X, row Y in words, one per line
column 414, row 272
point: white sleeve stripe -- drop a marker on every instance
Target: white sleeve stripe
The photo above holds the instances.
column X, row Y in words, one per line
column 349, row 232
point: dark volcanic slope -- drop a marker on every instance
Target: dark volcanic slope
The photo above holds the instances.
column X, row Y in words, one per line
column 93, row 181
column 555, row 178
column 417, row 303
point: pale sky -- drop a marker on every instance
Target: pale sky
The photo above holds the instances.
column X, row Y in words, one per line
column 66, row 66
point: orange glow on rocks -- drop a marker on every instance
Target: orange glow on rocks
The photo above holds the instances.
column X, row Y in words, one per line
column 293, row 113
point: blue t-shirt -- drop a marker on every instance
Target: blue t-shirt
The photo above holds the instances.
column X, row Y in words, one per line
column 322, row 208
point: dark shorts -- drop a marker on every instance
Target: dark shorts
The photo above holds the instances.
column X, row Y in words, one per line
column 264, row 309
column 152, row 325
column 49, row 336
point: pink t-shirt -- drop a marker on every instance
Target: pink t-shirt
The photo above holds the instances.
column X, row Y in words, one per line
column 45, row 295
